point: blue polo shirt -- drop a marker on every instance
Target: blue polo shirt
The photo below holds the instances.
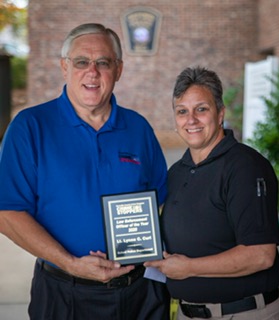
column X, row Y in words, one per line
column 56, row 167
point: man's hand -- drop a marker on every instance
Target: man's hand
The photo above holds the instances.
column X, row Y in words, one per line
column 96, row 267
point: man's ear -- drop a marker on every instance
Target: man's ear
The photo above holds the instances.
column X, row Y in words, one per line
column 119, row 70
column 64, row 67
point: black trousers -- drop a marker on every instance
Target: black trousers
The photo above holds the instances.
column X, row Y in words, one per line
column 55, row 299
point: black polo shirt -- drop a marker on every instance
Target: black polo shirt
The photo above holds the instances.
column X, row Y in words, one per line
column 227, row 200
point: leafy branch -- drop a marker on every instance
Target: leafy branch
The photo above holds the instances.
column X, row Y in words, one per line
column 266, row 134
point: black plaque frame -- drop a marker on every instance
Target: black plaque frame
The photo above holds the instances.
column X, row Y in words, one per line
column 132, row 227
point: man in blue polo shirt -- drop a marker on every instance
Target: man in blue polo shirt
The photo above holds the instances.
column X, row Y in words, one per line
column 56, row 162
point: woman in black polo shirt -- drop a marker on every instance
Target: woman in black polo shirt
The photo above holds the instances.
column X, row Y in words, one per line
column 219, row 222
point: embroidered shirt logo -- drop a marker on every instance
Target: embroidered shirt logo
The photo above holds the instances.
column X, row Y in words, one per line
column 128, row 157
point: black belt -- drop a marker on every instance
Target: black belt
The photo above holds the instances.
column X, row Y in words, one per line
column 249, row 303
column 119, row 282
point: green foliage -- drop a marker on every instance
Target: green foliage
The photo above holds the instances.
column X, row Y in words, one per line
column 266, row 135
column 19, row 72
column 10, row 14
column 232, row 98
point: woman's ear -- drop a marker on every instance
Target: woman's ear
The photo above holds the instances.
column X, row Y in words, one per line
column 221, row 116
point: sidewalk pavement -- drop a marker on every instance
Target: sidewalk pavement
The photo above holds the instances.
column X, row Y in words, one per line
column 16, row 269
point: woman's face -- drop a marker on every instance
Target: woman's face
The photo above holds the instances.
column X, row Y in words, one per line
column 197, row 120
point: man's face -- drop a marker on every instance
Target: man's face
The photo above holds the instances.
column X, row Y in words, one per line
column 91, row 88
column 197, row 120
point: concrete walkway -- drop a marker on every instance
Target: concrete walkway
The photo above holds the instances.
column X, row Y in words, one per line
column 16, row 270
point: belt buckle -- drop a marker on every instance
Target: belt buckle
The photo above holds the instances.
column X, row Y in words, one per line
column 117, row 283
column 196, row 311
column 123, row 281
column 207, row 313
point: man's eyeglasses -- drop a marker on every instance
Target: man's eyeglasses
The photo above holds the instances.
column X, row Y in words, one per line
column 100, row 64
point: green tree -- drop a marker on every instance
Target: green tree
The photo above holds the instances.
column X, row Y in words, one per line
column 232, row 98
column 11, row 15
column 19, row 72
column 266, row 135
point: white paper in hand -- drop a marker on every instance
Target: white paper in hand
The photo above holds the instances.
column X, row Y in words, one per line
column 154, row 274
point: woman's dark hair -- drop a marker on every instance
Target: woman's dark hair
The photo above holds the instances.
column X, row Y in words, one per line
column 200, row 77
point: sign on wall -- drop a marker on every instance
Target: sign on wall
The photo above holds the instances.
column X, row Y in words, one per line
column 141, row 27
column 256, row 85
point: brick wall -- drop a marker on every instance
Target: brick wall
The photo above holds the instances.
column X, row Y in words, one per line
column 219, row 34
column 269, row 27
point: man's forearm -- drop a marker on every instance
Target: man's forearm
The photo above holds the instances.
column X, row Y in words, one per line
column 26, row 232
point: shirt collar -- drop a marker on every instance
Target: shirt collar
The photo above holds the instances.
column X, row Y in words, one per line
column 69, row 115
column 222, row 147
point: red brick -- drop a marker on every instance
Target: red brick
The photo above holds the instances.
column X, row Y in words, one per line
column 218, row 34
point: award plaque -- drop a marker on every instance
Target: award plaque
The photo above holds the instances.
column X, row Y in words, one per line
column 132, row 227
